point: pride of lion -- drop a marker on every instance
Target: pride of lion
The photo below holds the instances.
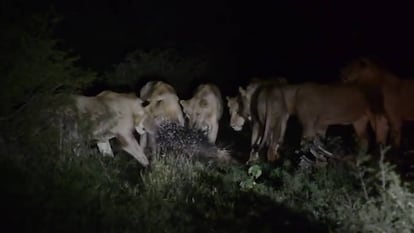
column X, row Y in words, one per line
column 368, row 97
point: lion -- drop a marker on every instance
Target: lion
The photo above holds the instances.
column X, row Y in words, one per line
column 317, row 106
column 396, row 94
column 204, row 110
column 269, row 118
column 113, row 115
column 238, row 114
column 163, row 106
column 240, row 109
column 239, row 106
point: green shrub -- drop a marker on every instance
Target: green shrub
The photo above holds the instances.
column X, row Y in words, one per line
column 31, row 64
column 35, row 74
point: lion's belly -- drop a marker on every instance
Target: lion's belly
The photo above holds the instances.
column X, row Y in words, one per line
column 110, row 128
column 342, row 119
column 340, row 112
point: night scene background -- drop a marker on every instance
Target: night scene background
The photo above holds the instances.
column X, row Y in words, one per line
column 301, row 40
column 52, row 48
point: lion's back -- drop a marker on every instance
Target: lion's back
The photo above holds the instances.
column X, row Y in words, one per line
column 332, row 101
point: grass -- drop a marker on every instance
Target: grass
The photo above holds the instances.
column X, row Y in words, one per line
column 94, row 193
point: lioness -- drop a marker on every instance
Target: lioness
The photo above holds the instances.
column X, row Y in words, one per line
column 113, row 115
column 243, row 105
column 316, row 106
column 269, row 116
column 204, row 110
column 239, row 106
column 163, row 106
column 397, row 94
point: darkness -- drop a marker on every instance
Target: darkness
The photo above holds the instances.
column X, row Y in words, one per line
column 302, row 40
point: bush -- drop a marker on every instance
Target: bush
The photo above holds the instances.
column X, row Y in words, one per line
column 36, row 78
column 31, row 65
column 34, row 74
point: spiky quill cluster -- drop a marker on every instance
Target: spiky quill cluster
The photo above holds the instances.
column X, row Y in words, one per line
column 174, row 139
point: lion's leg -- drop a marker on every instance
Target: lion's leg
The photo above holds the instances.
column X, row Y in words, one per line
column 283, row 126
column 152, row 144
column 255, row 141
column 272, row 151
column 393, row 112
column 147, row 143
column 277, row 139
column 360, row 127
column 321, row 130
column 395, row 131
column 143, row 140
column 213, row 131
column 105, row 148
column 381, row 129
column 130, row 145
column 309, row 131
column 181, row 119
column 379, row 123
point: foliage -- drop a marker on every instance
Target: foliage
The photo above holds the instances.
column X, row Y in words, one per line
column 176, row 194
column 167, row 64
column 92, row 193
column 254, row 172
column 31, row 65
column 35, row 78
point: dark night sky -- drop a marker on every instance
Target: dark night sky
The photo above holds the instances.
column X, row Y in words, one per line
column 303, row 40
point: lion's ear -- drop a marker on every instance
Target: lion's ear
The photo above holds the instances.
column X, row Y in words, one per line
column 242, row 91
column 282, row 80
column 183, row 103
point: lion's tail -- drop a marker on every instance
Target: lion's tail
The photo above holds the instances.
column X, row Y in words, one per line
column 267, row 121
